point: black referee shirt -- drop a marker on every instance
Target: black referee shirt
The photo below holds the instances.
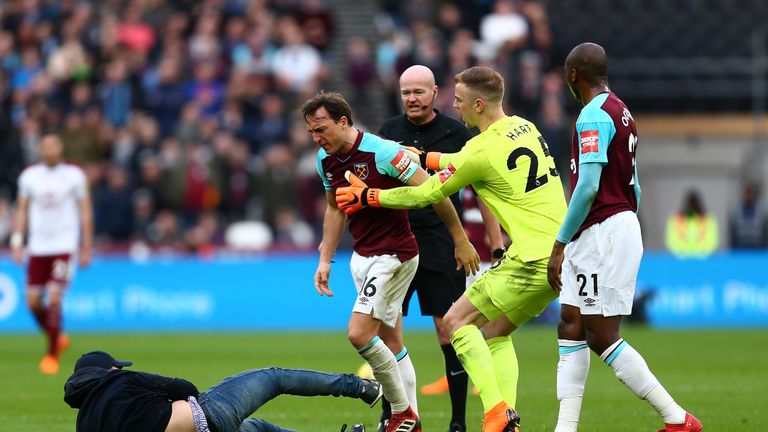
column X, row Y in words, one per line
column 443, row 134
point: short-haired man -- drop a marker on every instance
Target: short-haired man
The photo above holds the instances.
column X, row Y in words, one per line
column 510, row 167
column 55, row 209
column 385, row 254
column 111, row 399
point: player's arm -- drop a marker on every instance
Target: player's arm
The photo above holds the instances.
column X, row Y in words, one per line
column 334, row 222
column 86, row 229
column 466, row 255
column 593, row 155
column 19, row 227
column 492, row 230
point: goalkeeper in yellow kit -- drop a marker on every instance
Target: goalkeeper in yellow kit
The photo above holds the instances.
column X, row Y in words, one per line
column 510, row 167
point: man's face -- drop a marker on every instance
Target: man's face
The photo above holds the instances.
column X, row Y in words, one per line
column 51, row 150
column 570, row 79
column 464, row 103
column 325, row 132
column 418, row 99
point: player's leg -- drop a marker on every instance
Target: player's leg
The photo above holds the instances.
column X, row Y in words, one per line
column 382, row 282
column 455, row 376
column 37, row 277
column 228, row 404
column 612, row 291
column 393, row 339
column 572, row 369
column 573, row 366
column 497, row 336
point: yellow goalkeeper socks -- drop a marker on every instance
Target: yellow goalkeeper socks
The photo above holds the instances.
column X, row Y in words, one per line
column 506, row 367
column 476, row 358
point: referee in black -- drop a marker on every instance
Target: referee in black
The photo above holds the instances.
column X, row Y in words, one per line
column 437, row 281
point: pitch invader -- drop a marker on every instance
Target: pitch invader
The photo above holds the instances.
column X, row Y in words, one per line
column 599, row 265
column 385, row 254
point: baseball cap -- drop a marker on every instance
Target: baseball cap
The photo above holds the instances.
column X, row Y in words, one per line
column 99, row 359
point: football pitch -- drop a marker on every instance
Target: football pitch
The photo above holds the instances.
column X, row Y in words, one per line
column 720, row 375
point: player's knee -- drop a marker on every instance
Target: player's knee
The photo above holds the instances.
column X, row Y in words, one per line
column 35, row 303
column 600, row 341
column 358, row 338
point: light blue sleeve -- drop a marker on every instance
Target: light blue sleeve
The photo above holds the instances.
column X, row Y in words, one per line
column 581, row 200
column 391, row 160
column 595, row 130
column 320, row 156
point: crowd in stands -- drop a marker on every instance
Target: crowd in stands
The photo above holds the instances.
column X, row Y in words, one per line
column 184, row 114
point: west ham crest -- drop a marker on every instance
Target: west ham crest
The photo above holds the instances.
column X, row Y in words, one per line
column 361, row 170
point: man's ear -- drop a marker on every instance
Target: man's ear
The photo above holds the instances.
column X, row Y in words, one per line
column 479, row 105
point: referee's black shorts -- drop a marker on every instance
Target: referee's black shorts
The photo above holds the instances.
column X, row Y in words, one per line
column 437, row 290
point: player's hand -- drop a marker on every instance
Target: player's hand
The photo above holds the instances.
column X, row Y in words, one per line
column 322, row 275
column 85, row 257
column 555, row 266
column 357, row 196
column 418, row 155
column 18, row 255
column 467, row 258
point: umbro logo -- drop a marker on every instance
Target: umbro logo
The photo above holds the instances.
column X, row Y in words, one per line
column 329, row 175
column 590, row 301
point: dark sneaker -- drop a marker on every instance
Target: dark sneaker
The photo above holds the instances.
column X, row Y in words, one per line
column 371, row 392
column 356, row 428
column 406, row 421
column 457, row 427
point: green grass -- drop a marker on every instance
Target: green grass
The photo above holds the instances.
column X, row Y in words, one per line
column 719, row 375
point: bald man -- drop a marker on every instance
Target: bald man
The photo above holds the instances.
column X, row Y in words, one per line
column 437, row 281
column 597, row 270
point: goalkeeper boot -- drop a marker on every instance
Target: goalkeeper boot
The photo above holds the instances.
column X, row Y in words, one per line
column 371, row 392
column 691, row 424
column 406, row 421
column 501, row 418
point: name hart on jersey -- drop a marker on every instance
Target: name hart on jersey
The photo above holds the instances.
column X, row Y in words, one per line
column 518, row 131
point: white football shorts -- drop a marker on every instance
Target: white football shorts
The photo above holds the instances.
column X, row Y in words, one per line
column 381, row 282
column 600, row 267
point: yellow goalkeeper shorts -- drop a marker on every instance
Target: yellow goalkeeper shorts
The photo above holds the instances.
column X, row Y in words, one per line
column 519, row 290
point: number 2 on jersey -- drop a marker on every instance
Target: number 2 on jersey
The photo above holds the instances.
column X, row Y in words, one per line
column 533, row 181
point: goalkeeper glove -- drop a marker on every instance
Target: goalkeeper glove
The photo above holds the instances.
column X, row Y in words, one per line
column 357, row 196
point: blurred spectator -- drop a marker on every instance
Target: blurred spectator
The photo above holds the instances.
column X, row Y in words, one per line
column 749, row 220
column 276, row 182
column 205, row 89
column 163, row 94
column 115, row 94
column 692, row 232
column 296, row 65
column 113, row 206
column 317, row 23
column 273, row 125
column 81, row 142
column 505, row 29
column 360, row 68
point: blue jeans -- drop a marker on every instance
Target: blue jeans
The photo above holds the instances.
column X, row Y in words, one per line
column 228, row 404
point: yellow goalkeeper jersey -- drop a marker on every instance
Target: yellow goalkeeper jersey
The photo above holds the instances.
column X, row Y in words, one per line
column 510, row 167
